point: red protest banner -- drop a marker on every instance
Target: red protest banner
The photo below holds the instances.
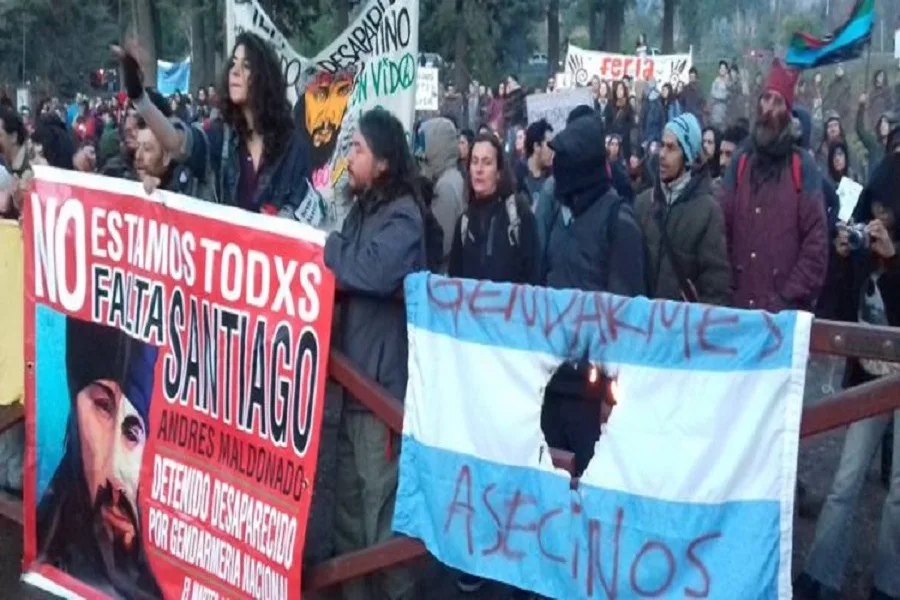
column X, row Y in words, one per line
column 173, row 408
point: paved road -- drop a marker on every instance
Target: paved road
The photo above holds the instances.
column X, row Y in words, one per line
column 818, row 460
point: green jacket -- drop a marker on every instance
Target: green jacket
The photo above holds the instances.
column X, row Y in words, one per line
column 696, row 230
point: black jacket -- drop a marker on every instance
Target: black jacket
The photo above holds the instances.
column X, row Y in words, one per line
column 594, row 241
column 489, row 250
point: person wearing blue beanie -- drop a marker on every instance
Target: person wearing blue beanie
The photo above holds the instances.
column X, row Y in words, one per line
column 686, row 128
column 683, row 224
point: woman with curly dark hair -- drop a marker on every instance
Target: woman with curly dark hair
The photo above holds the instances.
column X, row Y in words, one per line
column 254, row 158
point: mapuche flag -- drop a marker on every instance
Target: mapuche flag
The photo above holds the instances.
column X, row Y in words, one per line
column 846, row 43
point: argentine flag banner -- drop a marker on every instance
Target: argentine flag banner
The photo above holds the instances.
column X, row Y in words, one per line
column 691, row 488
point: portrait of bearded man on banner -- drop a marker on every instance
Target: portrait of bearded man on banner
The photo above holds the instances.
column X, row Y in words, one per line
column 88, row 522
column 320, row 109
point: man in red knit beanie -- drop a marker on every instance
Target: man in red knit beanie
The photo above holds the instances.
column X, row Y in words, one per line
column 774, row 213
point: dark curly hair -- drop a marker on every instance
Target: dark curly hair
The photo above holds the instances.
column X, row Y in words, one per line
column 267, row 96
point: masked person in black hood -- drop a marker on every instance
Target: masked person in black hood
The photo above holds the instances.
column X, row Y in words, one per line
column 594, row 244
column 88, row 521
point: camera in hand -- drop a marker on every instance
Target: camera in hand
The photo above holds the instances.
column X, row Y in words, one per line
column 857, row 236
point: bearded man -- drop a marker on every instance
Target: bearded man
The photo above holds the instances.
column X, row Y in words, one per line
column 774, row 213
column 88, row 520
column 320, row 109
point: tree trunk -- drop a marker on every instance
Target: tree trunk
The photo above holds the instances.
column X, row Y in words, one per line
column 199, row 67
column 460, row 48
column 668, row 30
column 613, row 23
column 212, row 28
column 552, row 38
column 144, row 31
column 343, row 14
column 778, row 31
column 594, row 7
column 690, row 25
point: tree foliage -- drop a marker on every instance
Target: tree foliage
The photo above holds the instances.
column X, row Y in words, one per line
column 500, row 34
column 59, row 42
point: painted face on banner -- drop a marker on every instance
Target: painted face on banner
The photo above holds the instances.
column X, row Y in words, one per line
column 112, row 436
column 326, row 99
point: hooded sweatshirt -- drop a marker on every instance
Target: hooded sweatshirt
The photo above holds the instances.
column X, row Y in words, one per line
column 594, row 242
column 440, row 166
column 829, row 191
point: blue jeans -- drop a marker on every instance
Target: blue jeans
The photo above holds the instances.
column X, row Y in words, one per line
column 827, row 559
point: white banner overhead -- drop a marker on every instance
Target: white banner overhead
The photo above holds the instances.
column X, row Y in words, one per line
column 371, row 63
column 583, row 65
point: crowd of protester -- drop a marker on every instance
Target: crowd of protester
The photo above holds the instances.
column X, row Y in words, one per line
column 653, row 190
column 728, row 200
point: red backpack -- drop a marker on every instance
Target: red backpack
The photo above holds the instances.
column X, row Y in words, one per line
column 796, row 170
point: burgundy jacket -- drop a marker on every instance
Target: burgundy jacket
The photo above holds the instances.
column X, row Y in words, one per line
column 777, row 238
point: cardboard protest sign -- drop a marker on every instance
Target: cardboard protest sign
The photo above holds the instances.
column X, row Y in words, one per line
column 689, row 493
column 179, row 355
column 556, row 106
column 427, row 89
column 584, row 65
column 372, row 63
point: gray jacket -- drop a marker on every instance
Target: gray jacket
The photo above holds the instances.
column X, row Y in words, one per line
column 440, row 166
column 380, row 243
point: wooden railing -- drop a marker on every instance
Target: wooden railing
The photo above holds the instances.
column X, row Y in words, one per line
column 827, row 337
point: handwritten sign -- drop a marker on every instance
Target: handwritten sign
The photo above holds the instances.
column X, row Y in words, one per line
column 427, row 88
column 848, row 192
column 555, row 107
column 583, row 65
column 681, row 498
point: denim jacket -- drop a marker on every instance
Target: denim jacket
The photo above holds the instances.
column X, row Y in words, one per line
column 284, row 187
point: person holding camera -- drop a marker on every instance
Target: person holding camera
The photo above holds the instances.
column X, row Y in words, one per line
column 867, row 286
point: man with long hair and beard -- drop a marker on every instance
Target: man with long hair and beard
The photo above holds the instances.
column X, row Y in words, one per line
column 382, row 240
column 774, row 213
column 88, row 521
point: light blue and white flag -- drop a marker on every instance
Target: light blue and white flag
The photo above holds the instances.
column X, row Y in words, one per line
column 691, row 489
column 173, row 77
